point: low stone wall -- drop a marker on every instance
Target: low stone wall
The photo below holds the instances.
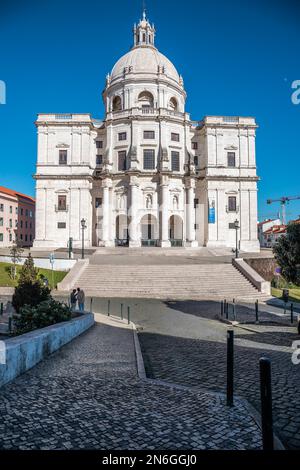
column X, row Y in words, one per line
column 25, row 351
column 256, row 279
column 44, row 263
column 72, row 277
column 263, row 266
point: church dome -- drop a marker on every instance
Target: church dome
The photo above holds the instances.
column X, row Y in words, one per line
column 144, row 59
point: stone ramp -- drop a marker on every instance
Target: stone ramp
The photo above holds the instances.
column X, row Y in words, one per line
column 167, row 281
column 88, row 396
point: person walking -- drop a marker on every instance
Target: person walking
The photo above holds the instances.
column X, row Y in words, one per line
column 73, row 299
column 80, row 299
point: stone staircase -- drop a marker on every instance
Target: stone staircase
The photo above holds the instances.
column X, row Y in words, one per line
column 176, row 281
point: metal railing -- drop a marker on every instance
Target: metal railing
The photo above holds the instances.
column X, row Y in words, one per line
column 150, row 242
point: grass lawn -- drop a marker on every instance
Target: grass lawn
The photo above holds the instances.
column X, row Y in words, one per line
column 7, row 281
column 294, row 293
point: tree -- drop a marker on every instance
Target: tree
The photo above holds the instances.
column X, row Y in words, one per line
column 287, row 253
column 15, row 254
column 30, row 289
column 28, row 273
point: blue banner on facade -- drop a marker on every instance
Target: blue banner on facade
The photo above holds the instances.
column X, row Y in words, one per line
column 211, row 215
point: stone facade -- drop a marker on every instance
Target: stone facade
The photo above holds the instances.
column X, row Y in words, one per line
column 147, row 174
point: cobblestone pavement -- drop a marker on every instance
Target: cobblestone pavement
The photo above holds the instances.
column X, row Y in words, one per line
column 199, row 359
column 88, row 396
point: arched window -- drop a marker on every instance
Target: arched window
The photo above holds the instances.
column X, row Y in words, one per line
column 173, row 104
column 145, row 99
column 117, row 103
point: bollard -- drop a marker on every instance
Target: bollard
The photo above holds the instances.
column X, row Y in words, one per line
column 266, row 403
column 292, row 313
column 108, row 308
column 10, row 324
column 1, row 308
column 256, row 312
column 128, row 315
column 233, row 309
column 229, row 367
column 121, row 311
column 91, row 305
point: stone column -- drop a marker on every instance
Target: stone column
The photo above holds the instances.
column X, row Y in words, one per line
column 164, row 216
column 134, row 236
column 190, row 214
column 106, row 214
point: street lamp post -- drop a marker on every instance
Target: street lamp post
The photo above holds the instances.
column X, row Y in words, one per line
column 83, row 227
column 236, row 226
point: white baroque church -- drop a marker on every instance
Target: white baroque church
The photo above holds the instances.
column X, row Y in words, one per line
column 147, row 175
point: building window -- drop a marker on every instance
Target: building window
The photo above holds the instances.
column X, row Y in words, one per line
column 63, row 157
column 21, row 236
column 22, row 211
column 62, row 203
column 1, row 237
column 17, row 210
column 174, row 137
column 10, row 223
column 30, row 214
column 61, row 224
column 26, row 238
column 30, row 238
column 149, row 135
column 99, row 144
column 21, row 223
column 1, row 221
column 26, row 224
column 16, row 223
column 99, row 160
column 196, row 161
column 30, row 225
column 26, row 212
column 10, row 209
column 1, row 207
column 175, row 161
column 122, row 161
column 149, row 159
column 231, row 159
column 231, row 204
column 195, row 145
column 10, row 237
column 122, row 135
column 98, row 202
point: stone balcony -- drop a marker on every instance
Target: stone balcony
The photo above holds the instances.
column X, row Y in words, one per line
column 147, row 112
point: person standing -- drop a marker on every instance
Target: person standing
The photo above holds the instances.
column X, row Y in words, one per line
column 80, row 299
column 73, row 299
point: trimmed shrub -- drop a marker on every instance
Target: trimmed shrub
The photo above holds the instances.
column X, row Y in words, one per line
column 44, row 314
column 30, row 293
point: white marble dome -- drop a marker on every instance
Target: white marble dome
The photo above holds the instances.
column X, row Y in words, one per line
column 144, row 60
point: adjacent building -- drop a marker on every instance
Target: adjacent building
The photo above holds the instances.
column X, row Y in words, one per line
column 17, row 218
column 147, row 174
column 263, row 227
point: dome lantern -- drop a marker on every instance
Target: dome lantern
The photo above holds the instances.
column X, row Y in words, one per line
column 143, row 33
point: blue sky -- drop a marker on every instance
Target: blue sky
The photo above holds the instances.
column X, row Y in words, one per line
column 236, row 58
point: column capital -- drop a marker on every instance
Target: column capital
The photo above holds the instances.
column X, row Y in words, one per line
column 189, row 182
column 106, row 183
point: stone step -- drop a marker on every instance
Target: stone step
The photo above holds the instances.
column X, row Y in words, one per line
column 220, row 280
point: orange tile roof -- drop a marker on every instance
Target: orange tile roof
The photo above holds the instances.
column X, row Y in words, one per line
column 11, row 192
